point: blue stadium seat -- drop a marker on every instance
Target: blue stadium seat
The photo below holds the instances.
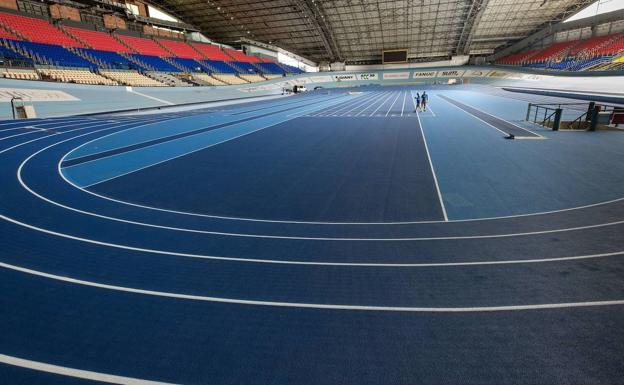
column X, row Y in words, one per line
column 53, row 55
column 291, row 69
column 112, row 59
column 247, row 68
column 156, row 62
column 6, row 53
column 219, row 67
column 270, row 68
column 190, row 65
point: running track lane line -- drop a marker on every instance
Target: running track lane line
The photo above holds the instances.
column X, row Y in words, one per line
column 286, row 118
column 435, row 178
column 81, row 160
column 392, row 105
column 291, row 262
column 383, row 97
column 27, row 188
column 466, row 109
column 336, row 110
column 132, row 91
column 347, row 113
column 320, row 306
column 76, row 373
column 381, row 105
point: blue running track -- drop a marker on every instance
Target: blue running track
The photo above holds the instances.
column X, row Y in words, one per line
column 334, row 237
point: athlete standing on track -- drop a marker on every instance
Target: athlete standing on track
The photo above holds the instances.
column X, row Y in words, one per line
column 425, row 99
column 417, row 102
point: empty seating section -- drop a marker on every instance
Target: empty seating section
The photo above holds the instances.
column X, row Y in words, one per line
column 270, row 68
column 594, row 53
column 111, row 60
column 98, row 40
column 518, row 58
column 211, row 52
column 10, row 54
column 21, row 74
column 208, row 80
column 168, row 79
column 131, row 78
column 229, row 79
column 190, row 65
column 180, row 49
column 144, row 46
column 587, row 47
column 290, row 69
column 245, row 67
column 52, row 55
column 37, row 30
column 552, row 52
column 219, row 67
column 76, row 76
column 156, row 63
column 614, row 47
column 73, row 54
column 240, row 56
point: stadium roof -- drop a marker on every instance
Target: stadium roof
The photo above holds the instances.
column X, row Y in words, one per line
column 358, row 30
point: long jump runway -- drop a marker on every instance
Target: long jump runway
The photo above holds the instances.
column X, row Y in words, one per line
column 326, row 238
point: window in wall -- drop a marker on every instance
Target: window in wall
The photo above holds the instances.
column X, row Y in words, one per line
column 134, row 27
column 92, row 19
column 33, row 8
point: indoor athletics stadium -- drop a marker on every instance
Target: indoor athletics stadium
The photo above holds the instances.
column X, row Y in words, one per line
column 312, row 192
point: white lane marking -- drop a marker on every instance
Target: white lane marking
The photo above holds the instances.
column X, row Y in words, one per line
column 33, row 131
column 347, row 113
column 236, row 301
column 27, row 188
column 312, row 222
column 382, row 103
column 413, row 101
column 292, row 262
column 403, row 106
column 504, row 120
column 430, row 110
column 331, row 110
column 153, row 98
column 58, row 133
column 392, row 105
column 76, row 373
column 382, row 97
column 317, row 105
column 435, row 178
column 36, row 122
column 360, row 100
column 285, row 119
column 157, row 121
column 491, row 125
column 146, row 123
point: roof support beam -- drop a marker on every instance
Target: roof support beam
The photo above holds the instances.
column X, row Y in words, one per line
column 316, row 18
column 475, row 12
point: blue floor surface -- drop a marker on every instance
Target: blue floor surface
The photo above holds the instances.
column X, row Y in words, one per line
column 303, row 240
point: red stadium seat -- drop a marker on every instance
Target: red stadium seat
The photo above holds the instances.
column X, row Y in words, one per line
column 212, row 52
column 144, row 46
column 181, row 49
column 37, row 30
column 98, row 40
